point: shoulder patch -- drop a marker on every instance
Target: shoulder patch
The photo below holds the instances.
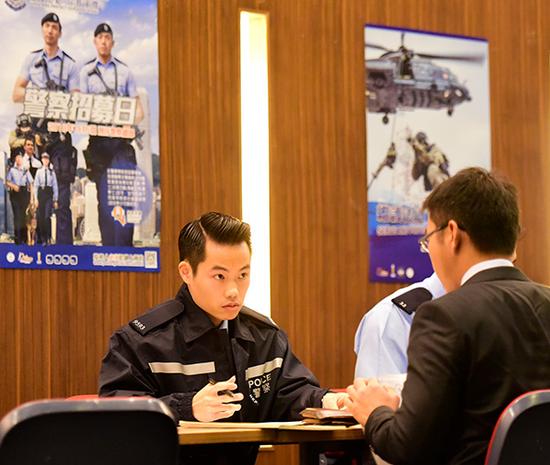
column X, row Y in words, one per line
column 68, row 56
column 156, row 317
column 258, row 316
column 411, row 300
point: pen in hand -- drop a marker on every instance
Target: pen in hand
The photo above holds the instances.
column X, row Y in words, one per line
column 212, row 381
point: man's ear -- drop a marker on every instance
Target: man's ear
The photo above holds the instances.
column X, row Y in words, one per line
column 456, row 235
column 185, row 271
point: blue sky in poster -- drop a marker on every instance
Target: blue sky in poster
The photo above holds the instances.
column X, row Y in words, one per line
column 134, row 24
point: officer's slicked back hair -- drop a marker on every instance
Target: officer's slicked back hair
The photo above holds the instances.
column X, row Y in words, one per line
column 483, row 204
column 218, row 227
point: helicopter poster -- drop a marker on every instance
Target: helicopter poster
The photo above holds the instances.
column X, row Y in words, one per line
column 79, row 135
column 428, row 116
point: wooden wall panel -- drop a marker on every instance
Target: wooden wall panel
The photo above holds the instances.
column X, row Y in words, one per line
column 54, row 325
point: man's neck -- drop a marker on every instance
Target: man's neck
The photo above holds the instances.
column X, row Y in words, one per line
column 104, row 59
column 51, row 50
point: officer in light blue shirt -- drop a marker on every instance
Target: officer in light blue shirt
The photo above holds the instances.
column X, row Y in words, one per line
column 45, row 184
column 19, row 181
column 49, row 67
column 107, row 75
column 382, row 337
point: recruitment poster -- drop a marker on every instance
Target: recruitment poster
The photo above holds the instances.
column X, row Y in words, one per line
column 79, row 142
column 428, row 116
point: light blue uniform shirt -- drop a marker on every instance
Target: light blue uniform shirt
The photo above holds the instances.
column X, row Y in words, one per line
column 49, row 180
column 37, row 74
column 115, row 73
column 382, row 337
column 19, row 176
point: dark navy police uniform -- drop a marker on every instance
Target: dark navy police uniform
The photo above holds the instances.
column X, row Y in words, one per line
column 171, row 351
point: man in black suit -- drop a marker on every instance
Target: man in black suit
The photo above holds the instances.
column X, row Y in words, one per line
column 472, row 351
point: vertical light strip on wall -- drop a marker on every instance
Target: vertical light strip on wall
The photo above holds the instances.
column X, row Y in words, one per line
column 255, row 154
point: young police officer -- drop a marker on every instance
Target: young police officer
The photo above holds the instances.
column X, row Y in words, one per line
column 52, row 69
column 107, row 75
column 178, row 349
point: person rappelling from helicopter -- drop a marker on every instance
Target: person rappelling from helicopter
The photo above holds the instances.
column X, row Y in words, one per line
column 429, row 161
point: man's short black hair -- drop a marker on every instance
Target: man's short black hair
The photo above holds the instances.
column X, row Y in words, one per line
column 31, row 138
column 483, row 204
column 218, row 227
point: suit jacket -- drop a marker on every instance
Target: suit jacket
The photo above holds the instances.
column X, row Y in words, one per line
column 471, row 352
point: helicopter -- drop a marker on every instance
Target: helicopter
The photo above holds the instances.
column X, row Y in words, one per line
column 405, row 79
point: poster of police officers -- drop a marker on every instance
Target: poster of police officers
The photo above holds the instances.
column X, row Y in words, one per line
column 428, row 116
column 79, row 136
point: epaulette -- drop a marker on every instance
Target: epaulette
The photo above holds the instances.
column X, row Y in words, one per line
column 411, row 300
column 156, row 317
column 68, row 56
column 258, row 316
column 36, row 51
column 88, row 62
column 120, row 61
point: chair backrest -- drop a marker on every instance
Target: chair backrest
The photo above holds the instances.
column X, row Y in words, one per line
column 522, row 433
column 106, row 431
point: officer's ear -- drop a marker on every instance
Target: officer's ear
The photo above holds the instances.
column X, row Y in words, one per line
column 185, row 271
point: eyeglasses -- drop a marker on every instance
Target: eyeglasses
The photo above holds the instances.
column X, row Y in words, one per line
column 425, row 239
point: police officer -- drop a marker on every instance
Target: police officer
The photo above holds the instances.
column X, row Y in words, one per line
column 23, row 130
column 49, row 67
column 30, row 160
column 429, row 161
column 19, row 181
column 204, row 354
column 45, row 186
column 382, row 336
column 53, row 69
column 108, row 75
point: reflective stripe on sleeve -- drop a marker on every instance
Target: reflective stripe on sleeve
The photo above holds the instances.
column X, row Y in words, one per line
column 259, row 370
column 180, row 368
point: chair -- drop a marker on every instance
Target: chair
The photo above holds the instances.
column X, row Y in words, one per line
column 522, row 433
column 106, row 431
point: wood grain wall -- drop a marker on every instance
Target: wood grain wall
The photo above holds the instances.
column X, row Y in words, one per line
column 54, row 325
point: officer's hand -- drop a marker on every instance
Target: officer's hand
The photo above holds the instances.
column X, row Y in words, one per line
column 208, row 405
column 334, row 400
column 16, row 188
column 55, row 205
column 35, row 204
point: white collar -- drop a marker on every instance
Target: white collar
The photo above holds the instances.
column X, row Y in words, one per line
column 484, row 265
column 224, row 325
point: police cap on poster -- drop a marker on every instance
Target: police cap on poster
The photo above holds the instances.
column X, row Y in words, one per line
column 50, row 18
column 103, row 27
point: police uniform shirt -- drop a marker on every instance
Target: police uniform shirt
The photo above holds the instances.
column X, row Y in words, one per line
column 382, row 337
column 31, row 162
column 46, row 177
column 19, row 176
column 114, row 73
column 38, row 76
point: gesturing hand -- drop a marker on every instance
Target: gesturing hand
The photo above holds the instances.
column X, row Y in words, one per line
column 208, row 405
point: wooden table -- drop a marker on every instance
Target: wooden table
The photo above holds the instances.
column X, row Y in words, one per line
column 313, row 440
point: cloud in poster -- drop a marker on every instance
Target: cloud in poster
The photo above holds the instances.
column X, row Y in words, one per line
column 139, row 53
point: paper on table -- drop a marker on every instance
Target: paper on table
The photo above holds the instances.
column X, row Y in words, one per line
column 300, row 425
column 237, row 425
